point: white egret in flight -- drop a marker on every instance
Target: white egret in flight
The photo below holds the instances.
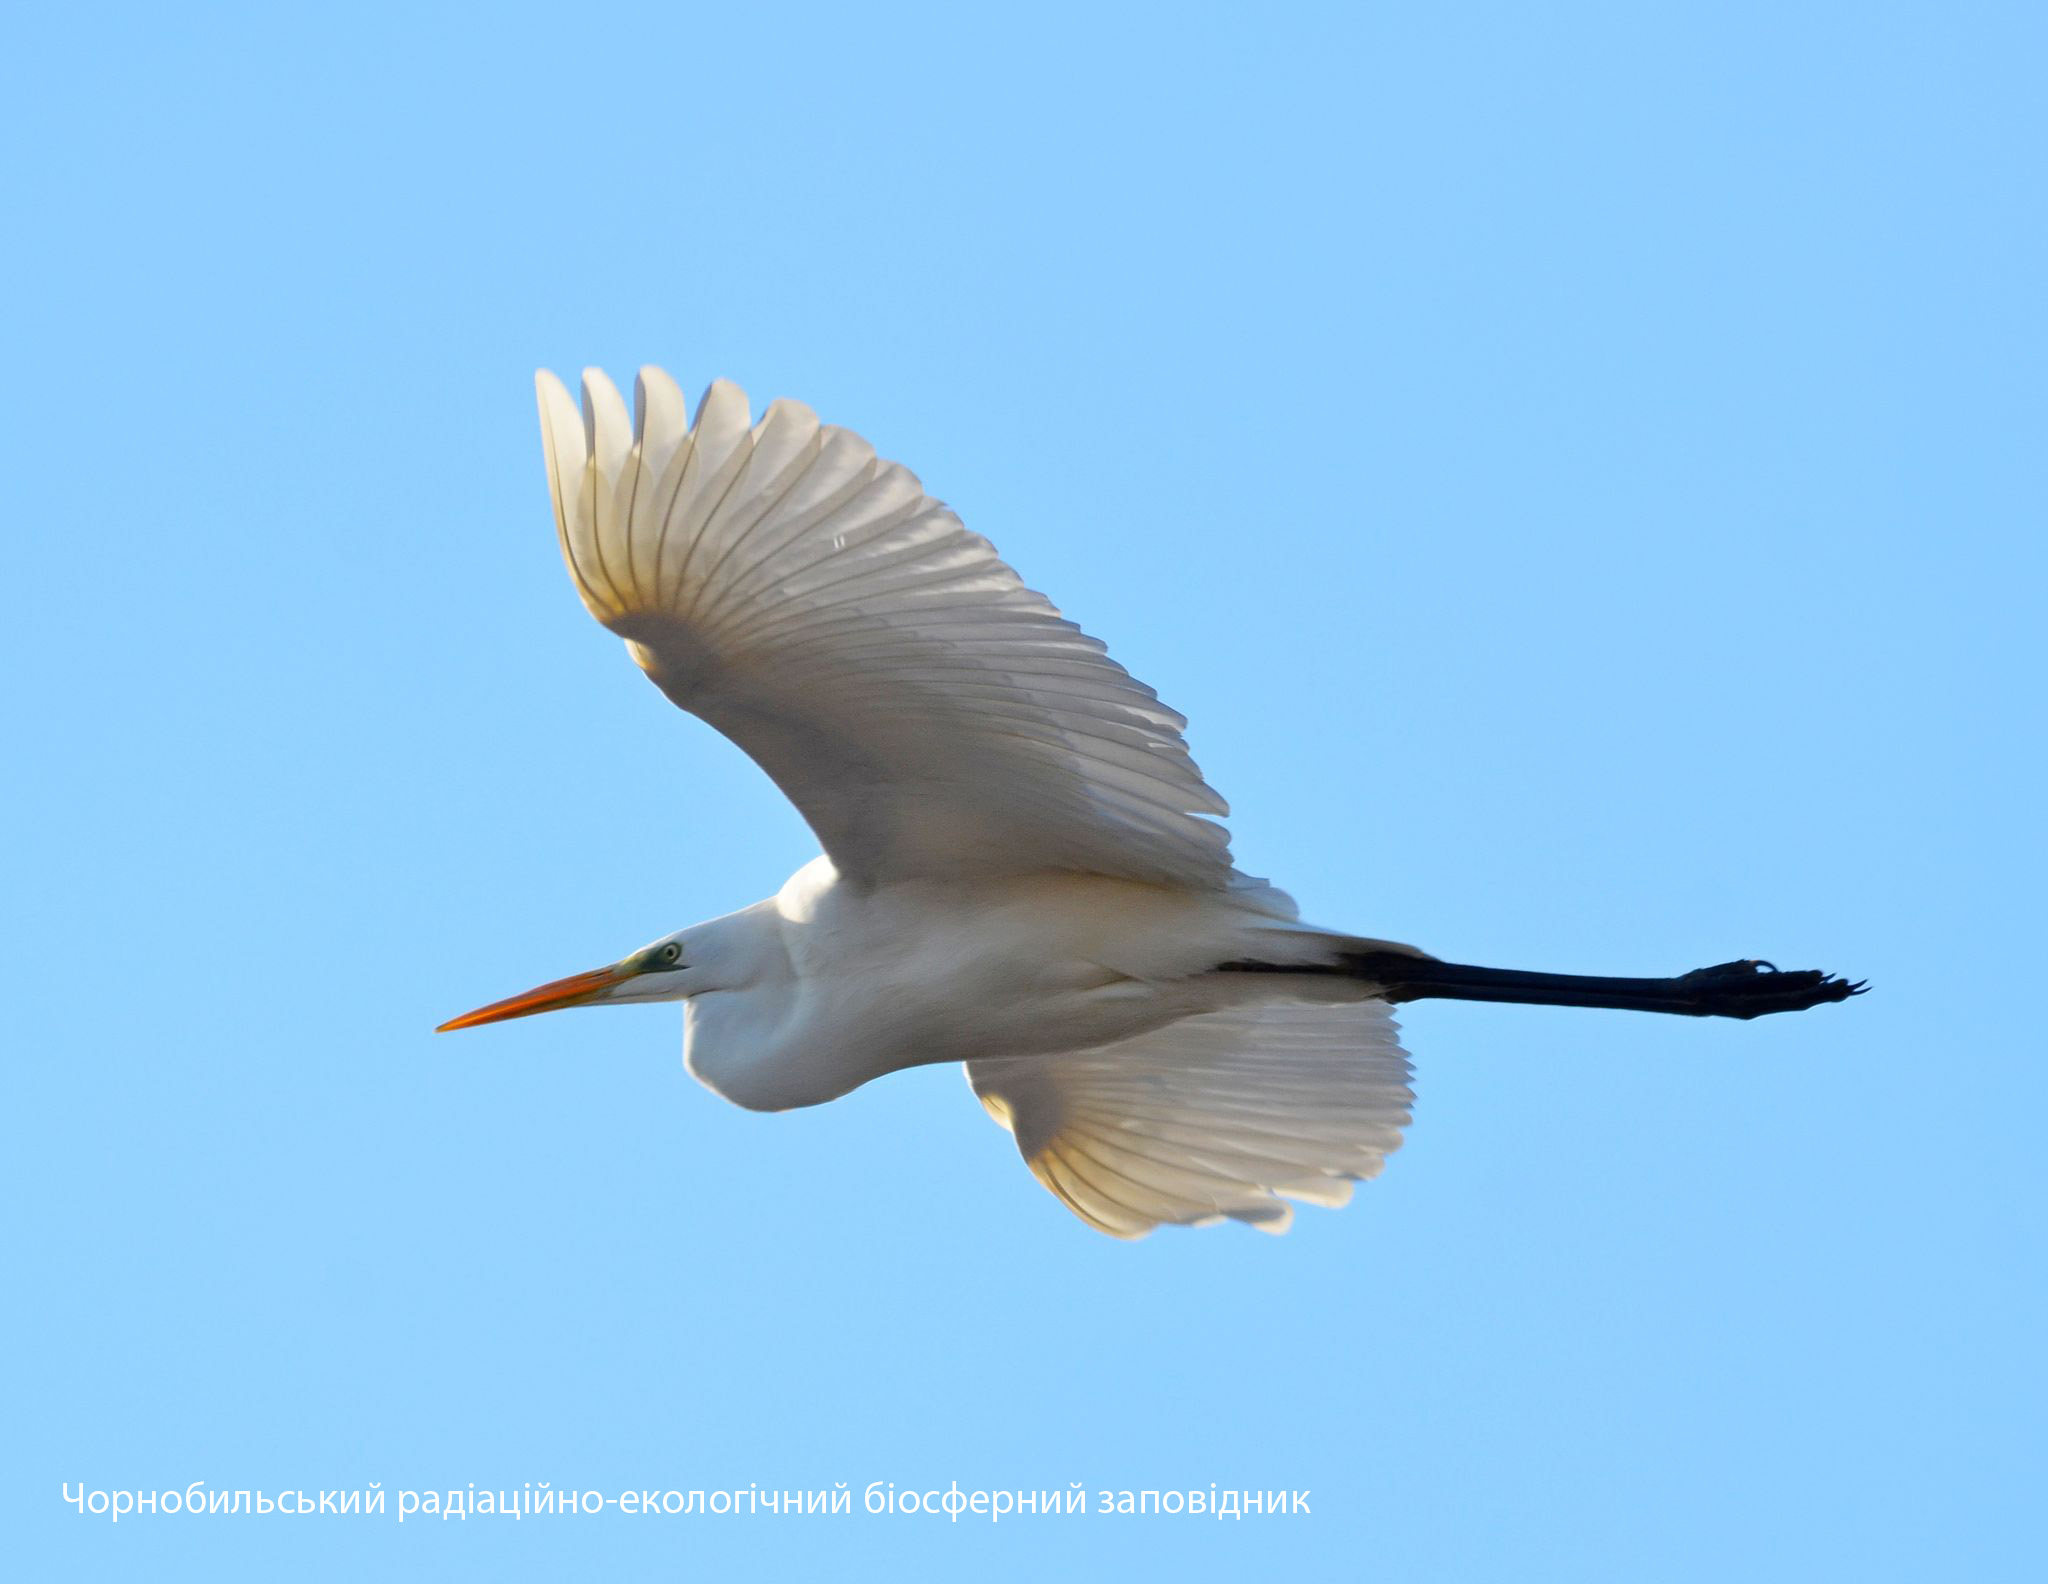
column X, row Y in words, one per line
column 1023, row 869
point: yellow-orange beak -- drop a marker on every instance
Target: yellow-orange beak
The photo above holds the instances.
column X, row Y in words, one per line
column 576, row 990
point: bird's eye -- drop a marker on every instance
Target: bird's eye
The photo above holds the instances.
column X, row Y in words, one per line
column 671, row 952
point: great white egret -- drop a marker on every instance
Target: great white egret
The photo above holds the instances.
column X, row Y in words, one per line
column 1023, row 869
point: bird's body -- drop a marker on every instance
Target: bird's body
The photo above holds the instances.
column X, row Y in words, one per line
column 1024, row 871
column 825, row 986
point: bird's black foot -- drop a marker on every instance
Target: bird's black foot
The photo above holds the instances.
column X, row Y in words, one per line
column 1750, row 989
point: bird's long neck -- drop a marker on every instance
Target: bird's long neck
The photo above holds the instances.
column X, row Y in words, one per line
column 1745, row 989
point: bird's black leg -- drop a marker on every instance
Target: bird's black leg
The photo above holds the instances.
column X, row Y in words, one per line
column 1743, row 989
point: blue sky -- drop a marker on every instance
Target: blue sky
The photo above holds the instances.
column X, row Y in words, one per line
column 1580, row 470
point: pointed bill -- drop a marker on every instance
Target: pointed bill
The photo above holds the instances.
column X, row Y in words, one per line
column 576, row 990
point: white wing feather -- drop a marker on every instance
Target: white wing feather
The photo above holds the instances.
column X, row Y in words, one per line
column 927, row 713
column 1225, row 1114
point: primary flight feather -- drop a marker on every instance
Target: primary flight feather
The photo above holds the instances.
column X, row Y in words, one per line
column 1023, row 869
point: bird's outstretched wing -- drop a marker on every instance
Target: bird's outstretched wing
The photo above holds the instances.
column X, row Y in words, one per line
column 927, row 713
column 1225, row 1114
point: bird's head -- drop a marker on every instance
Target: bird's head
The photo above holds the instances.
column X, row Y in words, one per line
column 659, row 972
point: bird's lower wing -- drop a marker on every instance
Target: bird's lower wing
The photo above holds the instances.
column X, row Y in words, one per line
column 1224, row 1115
column 927, row 713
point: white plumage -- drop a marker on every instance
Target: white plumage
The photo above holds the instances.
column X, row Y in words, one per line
column 1024, row 869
